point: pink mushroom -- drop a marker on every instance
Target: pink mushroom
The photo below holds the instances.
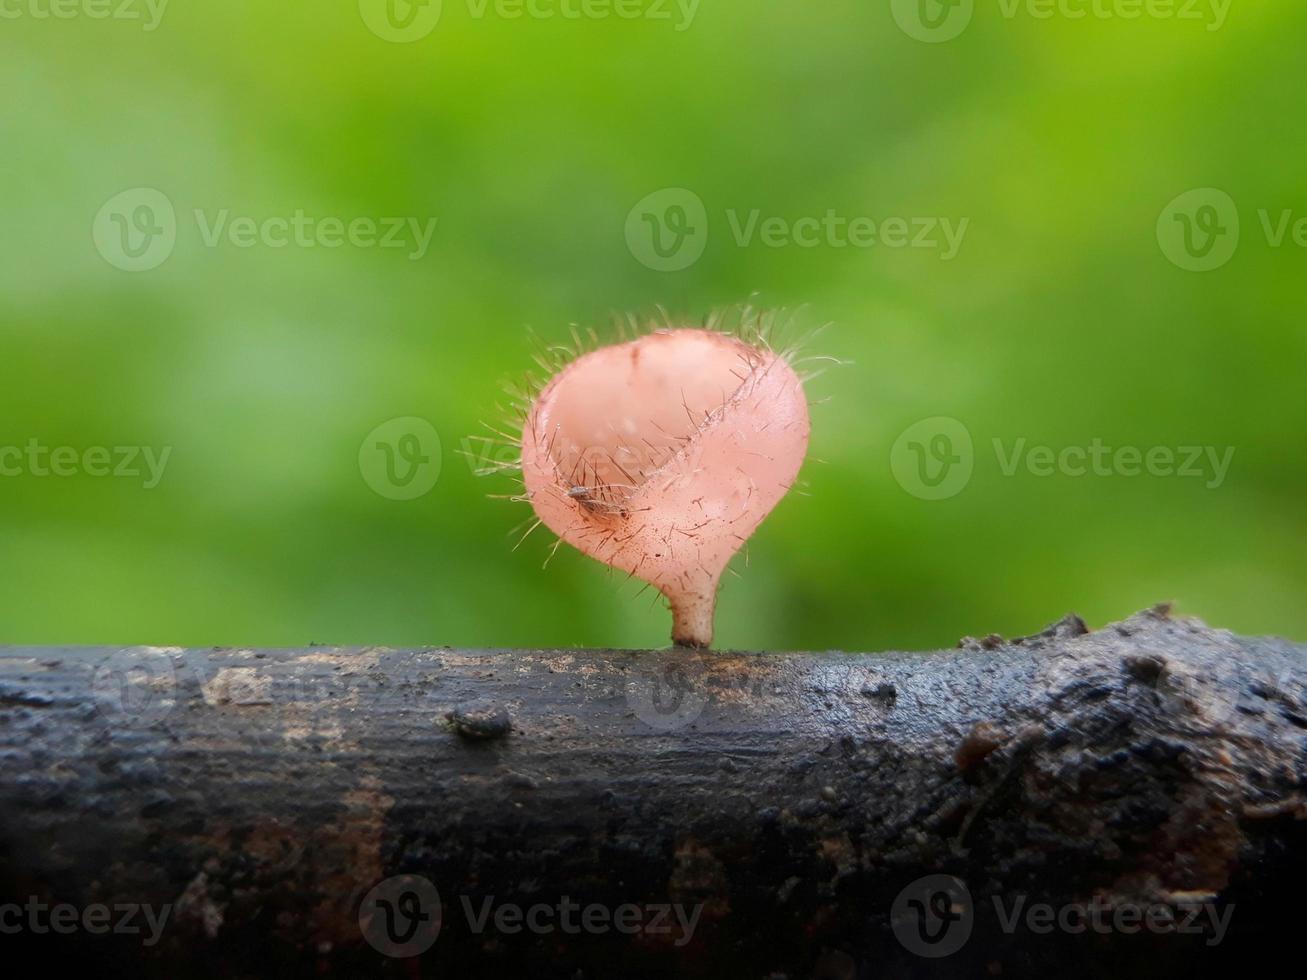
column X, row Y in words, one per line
column 661, row 457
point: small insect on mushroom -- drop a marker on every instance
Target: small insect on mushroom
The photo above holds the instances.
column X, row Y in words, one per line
column 598, row 499
column 587, row 498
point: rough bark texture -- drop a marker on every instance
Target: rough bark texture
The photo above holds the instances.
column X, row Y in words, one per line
column 789, row 798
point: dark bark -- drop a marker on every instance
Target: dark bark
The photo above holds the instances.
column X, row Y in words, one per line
column 788, row 798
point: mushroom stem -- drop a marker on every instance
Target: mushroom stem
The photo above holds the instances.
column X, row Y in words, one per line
column 692, row 618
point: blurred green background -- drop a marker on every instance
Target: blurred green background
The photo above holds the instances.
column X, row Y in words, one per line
column 1064, row 317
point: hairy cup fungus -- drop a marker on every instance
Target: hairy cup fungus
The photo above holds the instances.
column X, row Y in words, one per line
column 661, row 456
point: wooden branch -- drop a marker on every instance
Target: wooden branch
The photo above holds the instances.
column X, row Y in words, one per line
column 547, row 805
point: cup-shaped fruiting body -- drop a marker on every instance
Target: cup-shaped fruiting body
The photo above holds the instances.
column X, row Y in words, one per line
column 661, row 456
